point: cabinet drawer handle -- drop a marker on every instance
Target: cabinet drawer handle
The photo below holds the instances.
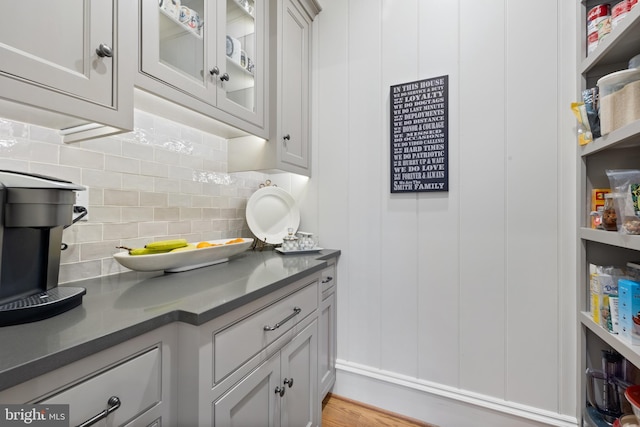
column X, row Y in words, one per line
column 104, row 51
column 287, row 137
column 214, row 71
column 296, row 310
column 112, row 404
column 280, row 390
column 224, row 77
column 328, row 279
column 289, row 382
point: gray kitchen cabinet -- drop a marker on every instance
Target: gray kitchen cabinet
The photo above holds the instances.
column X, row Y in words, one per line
column 280, row 392
column 208, row 56
column 68, row 65
column 231, row 366
column 327, row 340
column 288, row 147
column 136, row 379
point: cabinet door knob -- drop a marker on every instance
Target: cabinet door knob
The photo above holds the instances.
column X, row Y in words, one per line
column 288, row 382
column 280, row 390
column 287, row 137
column 224, row 77
column 214, row 71
column 104, row 51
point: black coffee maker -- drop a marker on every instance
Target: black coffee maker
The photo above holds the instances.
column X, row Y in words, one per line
column 34, row 210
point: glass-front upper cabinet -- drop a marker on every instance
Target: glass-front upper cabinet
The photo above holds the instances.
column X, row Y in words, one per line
column 242, row 56
column 208, row 54
column 175, row 46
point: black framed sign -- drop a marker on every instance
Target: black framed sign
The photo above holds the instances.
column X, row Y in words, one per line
column 420, row 136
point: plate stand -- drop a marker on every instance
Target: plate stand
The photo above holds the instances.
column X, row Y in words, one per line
column 262, row 244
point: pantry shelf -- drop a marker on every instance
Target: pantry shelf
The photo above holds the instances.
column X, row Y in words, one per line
column 622, row 346
column 610, row 238
column 626, row 137
column 616, row 48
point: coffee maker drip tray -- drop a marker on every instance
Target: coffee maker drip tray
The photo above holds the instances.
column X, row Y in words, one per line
column 41, row 305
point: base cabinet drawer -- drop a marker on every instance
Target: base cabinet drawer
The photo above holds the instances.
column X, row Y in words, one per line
column 280, row 392
column 236, row 344
column 135, row 383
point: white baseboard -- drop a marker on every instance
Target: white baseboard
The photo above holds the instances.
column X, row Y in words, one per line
column 436, row 403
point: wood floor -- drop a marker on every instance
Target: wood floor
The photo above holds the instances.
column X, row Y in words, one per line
column 338, row 411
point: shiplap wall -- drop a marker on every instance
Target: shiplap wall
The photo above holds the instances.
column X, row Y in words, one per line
column 453, row 306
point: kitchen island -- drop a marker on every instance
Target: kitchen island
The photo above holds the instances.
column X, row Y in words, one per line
column 209, row 330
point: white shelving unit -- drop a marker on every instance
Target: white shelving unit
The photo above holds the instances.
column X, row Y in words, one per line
column 619, row 149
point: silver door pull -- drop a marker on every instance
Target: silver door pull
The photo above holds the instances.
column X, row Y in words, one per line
column 113, row 404
column 296, row 310
column 328, row 279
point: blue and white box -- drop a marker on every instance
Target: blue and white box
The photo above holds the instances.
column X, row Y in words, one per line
column 629, row 310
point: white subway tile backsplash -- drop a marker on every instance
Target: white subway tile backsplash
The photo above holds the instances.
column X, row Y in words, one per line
column 163, row 180
column 166, row 214
column 180, row 200
column 153, row 199
column 121, row 230
column 167, row 128
column 37, row 133
column 210, row 213
column 190, row 187
column 16, row 165
column 101, row 179
column 70, row 254
column 121, row 164
column 109, row 145
column 80, row 270
column 148, row 229
column 138, row 182
column 96, row 250
column 201, row 201
column 190, row 213
column 137, row 150
column 220, row 224
column 201, row 226
column 82, row 232
column 179, row 227
column 121, row 197
column 62, row 172
column 74, row 156
column 137, row 214
column 168, row 186
column 10, row 129
column 154, row 169
column 104, row 214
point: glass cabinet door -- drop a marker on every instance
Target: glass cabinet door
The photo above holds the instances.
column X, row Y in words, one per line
column 175, row 45
column 242, row 35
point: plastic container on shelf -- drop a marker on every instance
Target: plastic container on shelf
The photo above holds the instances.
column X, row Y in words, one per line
column 619, row 99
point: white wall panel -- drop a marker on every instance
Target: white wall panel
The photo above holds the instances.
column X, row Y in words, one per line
column 532, row 224
column 454, row 295
column 399, row 211
column 438, row 220
column 330, row 156
column 365, row 198
column 482, row 194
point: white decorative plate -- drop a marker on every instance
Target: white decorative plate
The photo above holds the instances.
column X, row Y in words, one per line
column 270, row 212
column 174, row 262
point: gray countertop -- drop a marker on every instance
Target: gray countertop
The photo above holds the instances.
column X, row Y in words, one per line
column 120, row 307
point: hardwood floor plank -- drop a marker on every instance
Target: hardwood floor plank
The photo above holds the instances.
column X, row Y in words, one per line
column 338, row 411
